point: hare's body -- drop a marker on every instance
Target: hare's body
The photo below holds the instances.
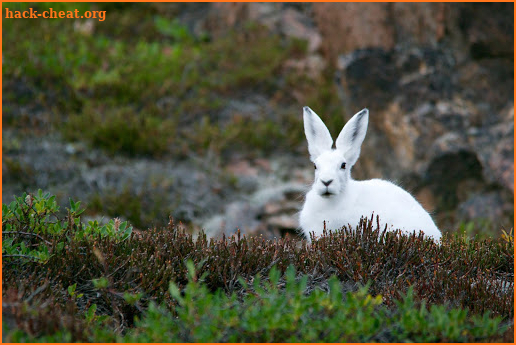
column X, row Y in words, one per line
column 365, row 198
column 336, row 200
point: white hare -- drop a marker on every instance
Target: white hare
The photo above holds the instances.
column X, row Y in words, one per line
column 336, row 199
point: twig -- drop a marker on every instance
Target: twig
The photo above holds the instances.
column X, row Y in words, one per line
column 26, row 234
column 38, row 290
column 35, row 259
column 119, row 267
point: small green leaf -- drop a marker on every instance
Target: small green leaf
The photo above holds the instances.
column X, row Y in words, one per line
column 131, row 298
column 274, row 276
column 100, row 283
column 90, row 314
column 71, row 289
column 191, row 270
column 243, row 283
column 72, row 205
column 175, row 293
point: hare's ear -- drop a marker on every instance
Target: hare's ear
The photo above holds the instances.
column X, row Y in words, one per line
column 351, row 137
column 318, row 136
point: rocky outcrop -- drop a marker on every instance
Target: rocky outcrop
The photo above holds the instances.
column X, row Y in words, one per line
column 477, row 30
column 148, row 190
column 435, row 124
column 271, row 206
column 438, row 80
column 271, row 212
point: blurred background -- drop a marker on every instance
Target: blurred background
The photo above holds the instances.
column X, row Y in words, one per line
column 195, row 110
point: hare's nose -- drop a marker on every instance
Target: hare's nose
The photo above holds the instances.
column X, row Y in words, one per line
column 326, row 183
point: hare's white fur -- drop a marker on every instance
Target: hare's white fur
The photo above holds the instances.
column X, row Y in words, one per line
column 336, row 199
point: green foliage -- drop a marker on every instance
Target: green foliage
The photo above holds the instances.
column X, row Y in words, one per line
column 439, row 323
column 100, row 283
column 72, row 293
column 24, row 221
column 479, row 228
column 267, row 314
column 164, row 285
column 281, row 310
column 508, row 236
column 173, row 29
column 270, row 313
column 90, row 314
column 155, row 88
column 244, row 133
column 129, row 205
column 33, row 230
column 18, row 171
column 122, row 130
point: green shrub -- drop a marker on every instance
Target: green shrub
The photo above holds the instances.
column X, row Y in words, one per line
column 122, row 130
column 289, row 314
column 281, row 310
column 56, row 268
column 33, row 231
column 147, row 88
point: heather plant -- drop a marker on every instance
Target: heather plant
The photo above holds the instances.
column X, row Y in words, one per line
column 281, row 310
column 69, row 281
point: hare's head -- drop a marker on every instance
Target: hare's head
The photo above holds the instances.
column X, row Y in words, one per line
column 333, row 165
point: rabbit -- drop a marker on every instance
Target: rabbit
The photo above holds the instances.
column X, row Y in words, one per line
column 336, row 200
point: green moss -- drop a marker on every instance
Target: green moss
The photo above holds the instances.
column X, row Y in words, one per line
column 130, row 206
column 115, row 204
column 251, row 135
column 262, row 135
column 17, row 171
column 113, row 80
column 122, row 130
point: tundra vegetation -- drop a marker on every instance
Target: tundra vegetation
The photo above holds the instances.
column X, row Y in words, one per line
column 99, row 85
column 67, row 281
column 142, row 86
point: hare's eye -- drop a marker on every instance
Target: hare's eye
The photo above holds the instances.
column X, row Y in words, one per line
column 343, row 166
column 315, row 166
